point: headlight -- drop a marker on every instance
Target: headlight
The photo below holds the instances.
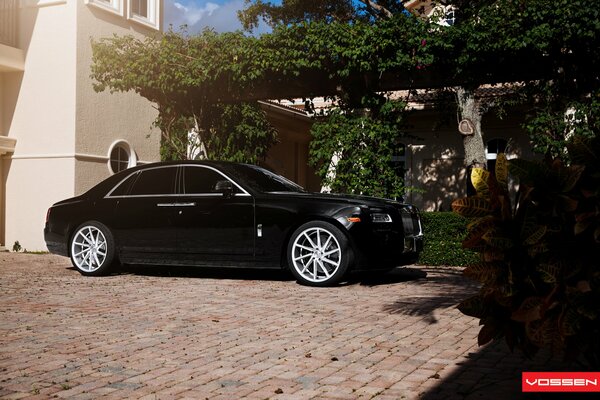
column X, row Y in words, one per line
column 381, row 218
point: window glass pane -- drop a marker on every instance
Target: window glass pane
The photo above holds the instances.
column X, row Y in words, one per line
column 119, row 159
column 399, row 160
column 202, row 180
column 140, row 7
column 123, row 188
column 155, row 181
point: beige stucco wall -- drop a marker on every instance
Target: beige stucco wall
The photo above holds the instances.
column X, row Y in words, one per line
column 103, row 118
column 42, row 100
column 435, row 158
column 63, row 128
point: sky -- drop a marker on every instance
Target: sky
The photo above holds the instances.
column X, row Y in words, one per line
column 198, row 14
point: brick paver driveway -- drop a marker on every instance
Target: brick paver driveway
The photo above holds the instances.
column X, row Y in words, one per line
column 197, row 333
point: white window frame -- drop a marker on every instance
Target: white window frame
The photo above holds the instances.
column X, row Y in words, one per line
column 125, row 145
column 153, row 19
column 113, row 6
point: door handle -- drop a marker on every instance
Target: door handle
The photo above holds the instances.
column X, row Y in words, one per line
column 176, row 204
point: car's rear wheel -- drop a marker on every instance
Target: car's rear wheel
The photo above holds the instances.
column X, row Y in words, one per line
column 92, row 249
column 319, row 254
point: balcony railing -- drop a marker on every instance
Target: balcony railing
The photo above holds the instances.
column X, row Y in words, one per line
column 9, row 19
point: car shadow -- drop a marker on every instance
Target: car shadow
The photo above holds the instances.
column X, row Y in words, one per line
column 363, row 278
column 377, row 278
column 206, row 272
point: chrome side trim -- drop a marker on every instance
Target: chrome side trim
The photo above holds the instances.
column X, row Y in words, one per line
column 176, row 204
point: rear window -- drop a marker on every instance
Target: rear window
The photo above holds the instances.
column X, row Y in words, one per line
column 155, row 181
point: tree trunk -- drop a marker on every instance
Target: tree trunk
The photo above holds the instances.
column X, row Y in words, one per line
column 471, row 109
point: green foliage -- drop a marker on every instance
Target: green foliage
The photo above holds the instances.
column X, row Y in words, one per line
column 362, row 147
column 186, row 76
column 444, row 233
column 17, row 247
column 539, row 259
column 238, row 132
column 354, row 49
column 294, row 11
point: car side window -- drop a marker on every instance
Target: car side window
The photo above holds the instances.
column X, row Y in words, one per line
column 200, row 180
column 155, row 181
column 123, row 188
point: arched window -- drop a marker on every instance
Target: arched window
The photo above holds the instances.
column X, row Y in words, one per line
column 121, row 156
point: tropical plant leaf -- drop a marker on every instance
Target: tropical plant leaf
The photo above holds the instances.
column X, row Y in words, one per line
column 484, row 272
column 529, row 310
column 475, row 231
column 535, row 235
column 567, row 203
column 537, row 249
column 491, row 254
column 474, row 206
column 474, row 306
column 522, row 169
column 497, row 241
column 488, row 332
column 479, row 179
column 581, row 226
column 502, row 171
column 550, row 273
column 569, row 322
column 536, row 332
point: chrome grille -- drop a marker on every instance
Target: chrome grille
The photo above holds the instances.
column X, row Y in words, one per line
column 410, row 220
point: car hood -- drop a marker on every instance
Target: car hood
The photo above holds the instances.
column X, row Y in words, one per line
column 347, row 198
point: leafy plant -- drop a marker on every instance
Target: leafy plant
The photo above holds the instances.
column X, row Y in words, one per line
column 444, row 232
column 17, row 247
column 353, row 153
column 539, row 258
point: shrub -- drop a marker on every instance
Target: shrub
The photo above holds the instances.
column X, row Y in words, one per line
column 540, row 258
column 444, row 232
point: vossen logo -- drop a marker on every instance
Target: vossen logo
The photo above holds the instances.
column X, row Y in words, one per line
column 561, row 382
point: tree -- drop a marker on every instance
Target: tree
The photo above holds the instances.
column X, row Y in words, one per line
column 355, row 42
column 357, row 50
column 186, row 76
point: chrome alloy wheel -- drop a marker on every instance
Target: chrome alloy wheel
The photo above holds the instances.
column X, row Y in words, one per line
column 316, row 254
column 89, row 248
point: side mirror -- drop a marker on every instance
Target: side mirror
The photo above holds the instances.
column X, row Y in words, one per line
column 225, row 187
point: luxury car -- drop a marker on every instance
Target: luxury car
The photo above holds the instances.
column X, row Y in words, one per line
column 229, row 215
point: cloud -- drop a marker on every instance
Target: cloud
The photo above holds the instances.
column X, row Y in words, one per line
column 220, row 17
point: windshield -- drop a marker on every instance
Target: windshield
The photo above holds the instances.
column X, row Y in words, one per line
column 262, row 180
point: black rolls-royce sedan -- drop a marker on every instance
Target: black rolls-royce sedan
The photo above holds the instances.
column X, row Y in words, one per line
column 229, row 215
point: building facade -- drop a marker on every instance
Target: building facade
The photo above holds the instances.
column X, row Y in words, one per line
column 58, row 137
column 430, row 155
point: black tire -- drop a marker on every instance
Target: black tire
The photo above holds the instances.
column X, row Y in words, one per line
column 319, row 254
column 92, row 249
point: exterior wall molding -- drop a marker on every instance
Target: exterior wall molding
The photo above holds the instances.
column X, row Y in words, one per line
column 11, row 59
column 41, row 3
column 7, row 145
column 154, row 15
column 115, row 6
column 76, row 156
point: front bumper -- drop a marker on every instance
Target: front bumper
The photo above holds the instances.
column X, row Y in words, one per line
column 388, row 245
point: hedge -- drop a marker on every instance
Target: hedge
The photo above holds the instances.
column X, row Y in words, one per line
column 444, row 232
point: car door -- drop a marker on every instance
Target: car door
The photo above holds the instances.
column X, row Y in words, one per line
column 217, row 222
column 144, row 222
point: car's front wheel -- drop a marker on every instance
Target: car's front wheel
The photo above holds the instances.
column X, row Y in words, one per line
column 319, row 254
column 92, row 249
